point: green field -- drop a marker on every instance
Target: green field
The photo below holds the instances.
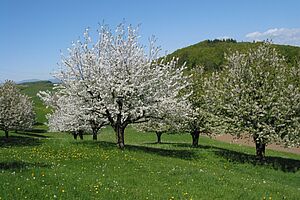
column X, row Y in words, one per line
column 41, row 165
column 31, row 89
column 36, row 165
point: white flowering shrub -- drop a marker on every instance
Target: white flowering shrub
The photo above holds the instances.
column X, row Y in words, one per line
column 258, row 95
column 173, row 119
column 16, row 109
column 70, row 114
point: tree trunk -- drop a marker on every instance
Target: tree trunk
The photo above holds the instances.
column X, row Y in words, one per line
column 158, row 135
column 95, row 131
column 6, row 133
column 195, row 136
column 260, row 150
column 80, row 133
column 120, row 136
column 74, row 135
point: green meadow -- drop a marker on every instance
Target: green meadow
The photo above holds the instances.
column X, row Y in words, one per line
column 40, row 165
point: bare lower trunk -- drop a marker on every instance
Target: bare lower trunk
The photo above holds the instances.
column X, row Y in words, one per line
column 195, row 137
column 95, row 131
column 74, row 133
column 260, row 150
column 6, row 133
column 158, row 135
column 120, row 136
column 80, row 133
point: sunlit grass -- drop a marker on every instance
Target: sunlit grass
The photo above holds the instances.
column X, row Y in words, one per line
column 54, row 166
column 31, row 89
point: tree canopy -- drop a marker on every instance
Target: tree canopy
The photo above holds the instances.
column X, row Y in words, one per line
column 16, row 109
column 257, row 94
column 123, row 83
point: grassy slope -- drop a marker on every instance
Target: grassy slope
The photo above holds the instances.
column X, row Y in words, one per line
column 31, row 89
column 49, row 165
column 211, row 54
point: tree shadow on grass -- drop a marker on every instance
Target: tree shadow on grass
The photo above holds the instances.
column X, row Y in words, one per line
column 18, row 141
column 188, row 145
column 39, row 123
column 155, row 143
column 274, row 162
column 182, row 145
column 37, row 130
column 181, row 154
column 33, row 134
column 18, row 165
column 277, row 163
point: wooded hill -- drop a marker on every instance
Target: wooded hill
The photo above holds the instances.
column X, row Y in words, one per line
column 211, row 53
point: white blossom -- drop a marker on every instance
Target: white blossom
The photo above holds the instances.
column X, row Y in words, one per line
column 71, row 114
column 123, row 83
column 257, row 94
column 16, row 109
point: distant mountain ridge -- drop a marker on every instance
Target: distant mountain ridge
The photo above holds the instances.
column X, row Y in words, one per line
column 37, row 80
column 28, row 81
column 210, row 53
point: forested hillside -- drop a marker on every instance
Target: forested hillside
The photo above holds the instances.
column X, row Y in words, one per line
column 210, row 53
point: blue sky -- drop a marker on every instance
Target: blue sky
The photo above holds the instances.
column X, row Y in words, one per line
column 33, row 32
